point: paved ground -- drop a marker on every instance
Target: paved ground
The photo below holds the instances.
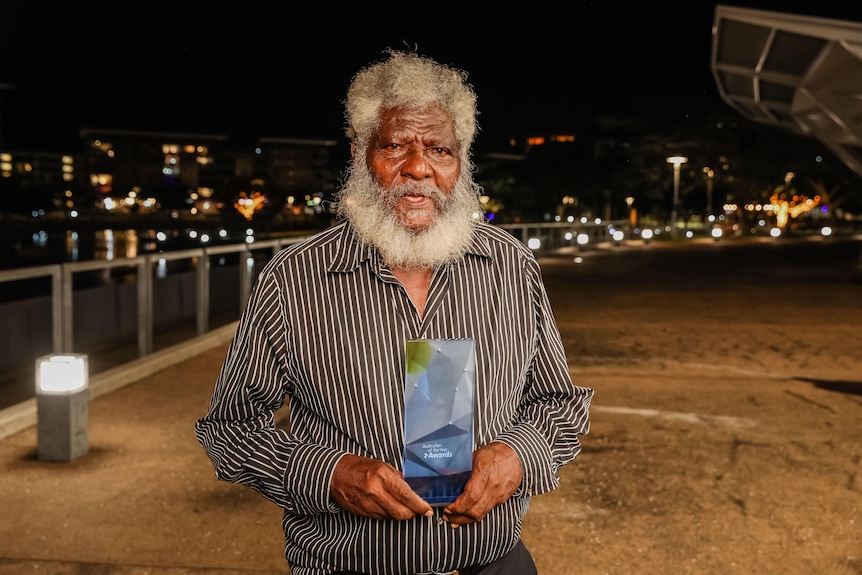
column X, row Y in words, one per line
column 727, row 435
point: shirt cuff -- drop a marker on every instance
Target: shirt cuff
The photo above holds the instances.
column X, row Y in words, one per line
column 308, row 477
column 538, row 473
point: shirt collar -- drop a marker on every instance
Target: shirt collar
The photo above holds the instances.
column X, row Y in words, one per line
column 351, row 252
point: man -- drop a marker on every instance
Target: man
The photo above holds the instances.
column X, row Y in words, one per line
column 326, row 329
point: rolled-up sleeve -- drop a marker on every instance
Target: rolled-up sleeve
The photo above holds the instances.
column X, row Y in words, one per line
column 239, row 432
column 553, row 411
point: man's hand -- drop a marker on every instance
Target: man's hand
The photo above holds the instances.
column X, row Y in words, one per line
column 375, row 489
column 496, row 476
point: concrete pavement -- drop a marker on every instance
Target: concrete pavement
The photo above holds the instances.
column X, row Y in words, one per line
column 144, row 498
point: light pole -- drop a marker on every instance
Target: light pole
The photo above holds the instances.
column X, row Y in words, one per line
column 677, row 161
column 710, row 175
column 633, row 220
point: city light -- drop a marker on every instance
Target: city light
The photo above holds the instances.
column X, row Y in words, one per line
column 248, row 204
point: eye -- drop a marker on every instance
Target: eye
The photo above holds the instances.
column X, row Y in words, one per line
column 390, row 147
column 440, row 151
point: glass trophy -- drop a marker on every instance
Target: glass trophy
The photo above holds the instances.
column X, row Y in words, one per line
column 438, row 417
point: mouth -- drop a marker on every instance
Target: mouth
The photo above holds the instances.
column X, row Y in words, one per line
column 415, row 198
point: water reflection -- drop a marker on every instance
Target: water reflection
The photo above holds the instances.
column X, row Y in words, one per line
column 111, row 244
column 58, row 246
column 72, row 245
column 162, row 268
column 53, row 247
column 40, row 239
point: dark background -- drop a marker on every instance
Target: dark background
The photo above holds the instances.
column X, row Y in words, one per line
column 275, row 69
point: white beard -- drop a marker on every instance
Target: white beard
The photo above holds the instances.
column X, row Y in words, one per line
column 370, row 208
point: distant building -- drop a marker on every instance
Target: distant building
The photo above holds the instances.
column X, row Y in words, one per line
column 184, row 174
column 140, row 169
column 34, row 182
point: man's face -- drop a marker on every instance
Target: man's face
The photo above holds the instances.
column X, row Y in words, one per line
column 413, row 154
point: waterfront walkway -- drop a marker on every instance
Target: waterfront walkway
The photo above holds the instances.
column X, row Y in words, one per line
column 678, row 382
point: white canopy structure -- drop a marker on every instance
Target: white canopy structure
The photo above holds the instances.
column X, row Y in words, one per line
column 799, row 73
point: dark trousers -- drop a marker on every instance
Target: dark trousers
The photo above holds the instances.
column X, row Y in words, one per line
column 518, row 561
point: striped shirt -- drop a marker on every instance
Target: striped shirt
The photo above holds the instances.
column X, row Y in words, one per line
column 325, row 331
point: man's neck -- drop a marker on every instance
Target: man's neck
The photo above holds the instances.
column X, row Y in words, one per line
column 417, row 282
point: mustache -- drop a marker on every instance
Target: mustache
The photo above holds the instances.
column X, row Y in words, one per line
column 416, row 189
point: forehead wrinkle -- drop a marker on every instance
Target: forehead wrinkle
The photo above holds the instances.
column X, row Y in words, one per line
column 430, row 125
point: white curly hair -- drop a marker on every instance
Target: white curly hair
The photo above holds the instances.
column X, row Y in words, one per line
column 408, row 80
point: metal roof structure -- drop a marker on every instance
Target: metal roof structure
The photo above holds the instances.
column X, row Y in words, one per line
column 798, row 73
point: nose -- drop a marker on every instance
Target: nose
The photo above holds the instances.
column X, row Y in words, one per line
column 415, row 165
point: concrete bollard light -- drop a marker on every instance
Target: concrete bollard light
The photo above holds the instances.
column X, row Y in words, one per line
column 62, row 406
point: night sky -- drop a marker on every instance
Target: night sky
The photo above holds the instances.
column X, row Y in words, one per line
column 256, row 69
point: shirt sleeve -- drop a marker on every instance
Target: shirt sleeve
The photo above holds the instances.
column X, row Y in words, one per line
column 553, row 411
column 239, row 431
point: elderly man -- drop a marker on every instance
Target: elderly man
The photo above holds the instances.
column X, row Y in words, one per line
column 326, row 328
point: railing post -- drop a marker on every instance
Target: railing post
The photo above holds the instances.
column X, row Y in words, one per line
column 145, row 307
column 203, row 285
column 57, row 309
column 67, row 291
column 245, row 269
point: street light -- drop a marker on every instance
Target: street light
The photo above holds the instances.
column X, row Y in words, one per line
column 633, row 220
column 677, row 161
column 710, row 175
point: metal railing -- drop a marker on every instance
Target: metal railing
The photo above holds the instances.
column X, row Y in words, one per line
column 62, row 290
column 553, row 235
column 121, row 322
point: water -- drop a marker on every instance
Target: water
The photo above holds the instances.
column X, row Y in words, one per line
column 26, row 243
column 44, row 247
column 29, row 248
